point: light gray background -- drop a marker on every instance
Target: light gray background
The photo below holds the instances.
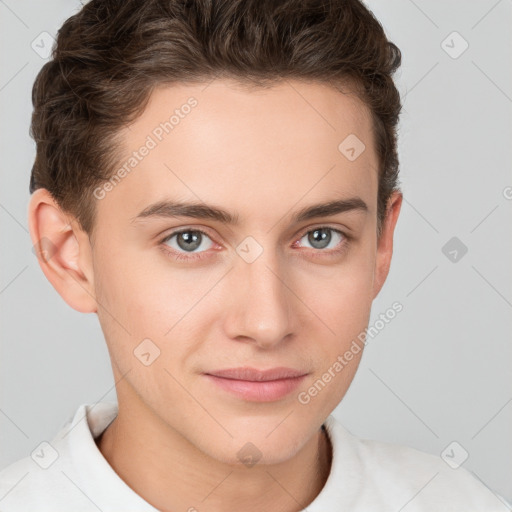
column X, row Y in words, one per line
column 442, row 369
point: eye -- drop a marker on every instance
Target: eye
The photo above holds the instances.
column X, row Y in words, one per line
column 186, row 241
column 322, row 237
column 193, row 244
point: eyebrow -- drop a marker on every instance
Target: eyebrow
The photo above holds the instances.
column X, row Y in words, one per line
column 197, row 210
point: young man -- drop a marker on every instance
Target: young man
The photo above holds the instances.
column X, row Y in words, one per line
column 218, row 182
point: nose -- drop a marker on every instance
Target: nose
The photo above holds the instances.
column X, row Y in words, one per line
column 260, row 311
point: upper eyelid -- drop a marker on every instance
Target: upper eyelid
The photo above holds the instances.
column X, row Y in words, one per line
column 177, row 231
column 322, row 226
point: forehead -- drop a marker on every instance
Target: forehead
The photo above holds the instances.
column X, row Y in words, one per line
column 246, row 148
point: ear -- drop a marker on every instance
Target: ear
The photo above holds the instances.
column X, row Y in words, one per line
column 385, row 242
column 63, row 251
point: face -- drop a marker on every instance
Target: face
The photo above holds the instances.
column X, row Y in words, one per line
column 181, row 295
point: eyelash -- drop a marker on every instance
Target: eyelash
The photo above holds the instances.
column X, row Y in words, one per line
column 343, row 245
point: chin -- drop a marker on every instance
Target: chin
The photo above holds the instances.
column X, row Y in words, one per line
column 257, row 446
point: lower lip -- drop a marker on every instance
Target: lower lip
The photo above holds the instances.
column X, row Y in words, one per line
column 267, row 391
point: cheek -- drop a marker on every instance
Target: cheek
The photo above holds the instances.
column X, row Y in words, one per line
column 131, row 304
column 139, row 290
column 144, row 320
column 343, row 307
column 341, row 294
column 153, row 302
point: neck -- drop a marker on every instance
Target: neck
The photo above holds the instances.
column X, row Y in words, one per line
column 172, row 474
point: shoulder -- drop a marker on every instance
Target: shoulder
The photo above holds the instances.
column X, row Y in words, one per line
column 53, row 477
column 24, row 485
column 400, row 475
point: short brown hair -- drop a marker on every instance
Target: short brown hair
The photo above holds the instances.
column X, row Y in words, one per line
column 111, row 55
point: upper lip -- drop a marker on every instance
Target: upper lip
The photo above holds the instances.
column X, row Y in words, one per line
column 253, row 374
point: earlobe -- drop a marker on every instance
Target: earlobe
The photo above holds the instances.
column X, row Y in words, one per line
column 385, row 243
column 63, row 251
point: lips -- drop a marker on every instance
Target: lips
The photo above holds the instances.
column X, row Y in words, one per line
column 254, row 375
column 255, row 385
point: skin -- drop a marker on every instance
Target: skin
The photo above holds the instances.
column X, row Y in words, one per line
column 264, row 154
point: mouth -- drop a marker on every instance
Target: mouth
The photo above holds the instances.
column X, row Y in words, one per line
column 257, row 385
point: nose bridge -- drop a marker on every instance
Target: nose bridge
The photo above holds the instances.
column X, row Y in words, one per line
column 261, row 310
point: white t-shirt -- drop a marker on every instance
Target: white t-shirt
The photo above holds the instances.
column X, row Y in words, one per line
column 70, row 474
